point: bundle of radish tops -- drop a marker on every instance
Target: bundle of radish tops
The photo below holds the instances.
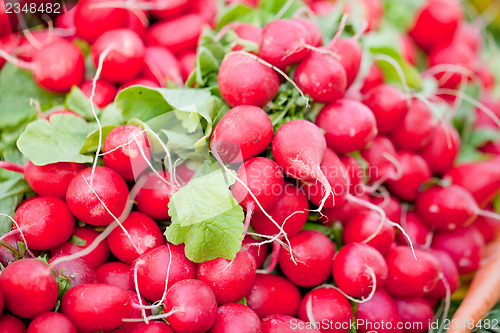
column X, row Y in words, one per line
column 251, row 166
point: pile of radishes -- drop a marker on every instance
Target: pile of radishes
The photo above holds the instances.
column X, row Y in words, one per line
column 362, row 204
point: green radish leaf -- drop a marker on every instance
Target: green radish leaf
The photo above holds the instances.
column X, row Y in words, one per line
column 16, row 89
column 232, row 13
column 59, row 140
column 92, row 141
column 77, row 102
column 480, row 137
column 206, row 218
column 13, row 187
column 386, row 63
column 284, row 8
column 112, row 115
column 401, row 13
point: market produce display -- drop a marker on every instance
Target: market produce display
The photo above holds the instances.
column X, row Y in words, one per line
column 249, row 166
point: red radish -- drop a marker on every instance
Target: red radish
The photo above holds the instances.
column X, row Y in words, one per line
column 355, row 172
column 273, row 294
column 152, row 268
column 442, row 149
column 380, row 308
column 326, row 305
column 259, row 252
column 104, row 93
column 365, row 224
column 417, row 126
column 8, row 44
column 5, row 21
column 116, row 274
column 264, row 179
column 152, row 327
column 140, row 82
column 450, row 275
column 481, row 179
column 333, row 168
column 51, row 179
column 350, row 53
column 45, row 222
column 408, row 49
column 283, row 43
column 206, row 9
column 79, row 271
column 388, row 104
column 246, row 32
column 96, row 307
column 446, row 208
column 195, row 304
column 12, row 252
column 374, row 78
column 313, row 252
column 161, row 66
column 164, row 9
column 469, row 34
column 322, row 77
column 178, row 35
column 373, row 12
column 416, row 313
column 125, row 58
column 436, row 23
column 136, row 21
column 143, row 234
column 452, row 55
column 381, row 157
column 87, row 234
column 279, row 323
column 92, row 20
column 291, row 201
column 390, row 205
column 315, row 34
column 354, row 267
column 234, row 143
column 348, row 126
column 26, row 49
column 489, row 227
column 187, row 62
column 484, row 75
column 299, row 147
column 408, row 277
column 414, row 172
column 22, row 296
column 12, row 324
column 418, row 231
column 88, row 187
column 137, row 313
column 51, row 322
column 244, row 80
column 465, row 246
column 343, row 212
column 235, row 317
column 230, row 280
column 154, row 196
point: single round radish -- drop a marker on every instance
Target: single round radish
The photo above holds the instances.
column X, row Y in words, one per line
column 279, row 323
column 283, row 43
column 414, row 172
column 136, row 22
column 381, row 308
column 178, row 35
column 388, row 104
column 96, row 307
column 45, row 222
column 29, row 288
column 363, row 225
column 78, row 270
column 416, row 313
column 145, row 235
column 355, row 172
column 165, row 9
column 26, row 49
column 91, row 21
column 465, row 246
column 315, row 34
column 235, row 317
column 450, row 274
column 230, row 280
column 353, row 266
column 247, row 32
column 197, row 305
column 12, row 324
column 244, row 80
column 417, row 126
column 348, row 126
column 454, row 54
column 442, row 149
column 390, row 205
column 87, row 188
column 116, row 274
column 380, row 156
column 313, row 253
column 152, row 327
column 161, row 66
column 291, row 201
column 51, row 322
column 322, row 77
column 374, row 78
column 152, row 268
column 446, row 208
column 259, row 252
column 350, row 53
column 51, row 179
column 436, row 23
column 489, row 227
column 125, row 58
column 82, row 238
column 327, row 305
column 418, row 231
column 273, row 294
column 154, row 196
column 235, row 143
column 104, row 94
column 408, row 277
